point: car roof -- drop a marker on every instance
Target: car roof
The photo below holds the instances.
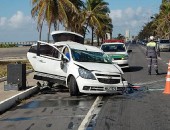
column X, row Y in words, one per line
column 60, row 32
column 72, row 45
column 78, row 46
column 112, row 43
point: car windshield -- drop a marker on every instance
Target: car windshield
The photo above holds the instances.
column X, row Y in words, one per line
column 90, row 56
column 113, row 48
column 164, row 41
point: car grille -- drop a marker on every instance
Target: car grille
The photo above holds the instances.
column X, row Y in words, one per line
column 107, row 75
column 117, row 58
column 123, row 65
column 108, row 79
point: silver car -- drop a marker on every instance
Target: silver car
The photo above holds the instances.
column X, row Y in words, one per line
column 164, row 45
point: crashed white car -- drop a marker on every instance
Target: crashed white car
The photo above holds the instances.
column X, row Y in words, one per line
column 81, row 68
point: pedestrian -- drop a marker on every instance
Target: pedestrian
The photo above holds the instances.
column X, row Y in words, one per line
column 152, row 53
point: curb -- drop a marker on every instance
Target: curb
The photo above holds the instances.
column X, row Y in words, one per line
column 6, row 104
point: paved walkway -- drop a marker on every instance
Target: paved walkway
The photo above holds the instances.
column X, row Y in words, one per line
column 8, row 98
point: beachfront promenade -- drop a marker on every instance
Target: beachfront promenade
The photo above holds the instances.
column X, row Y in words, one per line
column 22, row 43
column 29, row 43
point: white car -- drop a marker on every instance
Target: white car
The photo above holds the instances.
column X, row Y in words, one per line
column 164, row 44
column 85, row 69
column 118, row 52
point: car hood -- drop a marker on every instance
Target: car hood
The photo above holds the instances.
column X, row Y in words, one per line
column 111, row 68
column 117, row 54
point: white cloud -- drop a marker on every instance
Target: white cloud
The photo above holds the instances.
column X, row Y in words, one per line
column 116, row 14
column 2, row 21
column 18, row 27
column 18, row 20
column 129, row 12
column 129, row 18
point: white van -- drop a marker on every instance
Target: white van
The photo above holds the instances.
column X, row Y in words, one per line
column 81, row 68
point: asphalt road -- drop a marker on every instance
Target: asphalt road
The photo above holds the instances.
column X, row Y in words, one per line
column 20, row 52
column 144, row 108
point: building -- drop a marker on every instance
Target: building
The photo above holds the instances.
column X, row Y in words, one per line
column 127, row 35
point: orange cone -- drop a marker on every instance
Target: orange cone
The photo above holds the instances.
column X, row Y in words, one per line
column 167, row 85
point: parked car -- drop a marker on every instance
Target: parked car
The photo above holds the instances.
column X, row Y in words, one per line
column 85, row 69
column 164, row 45
column 118, row 52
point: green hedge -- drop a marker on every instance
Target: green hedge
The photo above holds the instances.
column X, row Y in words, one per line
column 5, row 45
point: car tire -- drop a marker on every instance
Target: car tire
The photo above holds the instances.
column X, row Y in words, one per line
column 73, row 88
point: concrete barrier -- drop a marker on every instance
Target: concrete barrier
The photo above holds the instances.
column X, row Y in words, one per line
column 6, row 104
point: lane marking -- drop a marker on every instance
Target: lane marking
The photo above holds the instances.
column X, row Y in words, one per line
column 149, row 82
column 89, row 115
column 158, row 89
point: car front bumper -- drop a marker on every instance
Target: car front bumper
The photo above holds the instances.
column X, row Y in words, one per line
column 95, row 87
column 164, row 48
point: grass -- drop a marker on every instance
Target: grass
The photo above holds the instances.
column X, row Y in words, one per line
column 3, row 66
column 5, row 45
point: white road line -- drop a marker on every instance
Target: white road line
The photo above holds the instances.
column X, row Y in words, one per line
column 89, row 115
column 158, row 89
column 146, row 83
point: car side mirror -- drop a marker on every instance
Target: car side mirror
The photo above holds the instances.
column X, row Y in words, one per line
column 129, row 51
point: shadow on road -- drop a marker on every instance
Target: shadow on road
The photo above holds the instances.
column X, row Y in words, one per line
column 54, row 89
column 133, row 69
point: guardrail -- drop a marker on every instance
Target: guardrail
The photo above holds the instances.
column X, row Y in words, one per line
column 27, row 43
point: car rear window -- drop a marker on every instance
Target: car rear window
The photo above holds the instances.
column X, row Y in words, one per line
column 164, row 41
column 113, row 48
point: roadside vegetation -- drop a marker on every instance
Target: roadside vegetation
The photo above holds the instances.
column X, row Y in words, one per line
column 74, row 15
column 159, row 26
column 3, row 66
column 7, row 45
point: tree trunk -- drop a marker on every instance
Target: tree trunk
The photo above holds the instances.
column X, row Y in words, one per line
column 98, row 44
column 92, row 29
column 85, row 30
column 40, row 31
column 49, row 30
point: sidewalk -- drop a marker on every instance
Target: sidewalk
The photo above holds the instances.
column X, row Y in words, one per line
column 9, row 98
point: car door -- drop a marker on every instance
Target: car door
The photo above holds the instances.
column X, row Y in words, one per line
column 49, row 61
column 32, row 56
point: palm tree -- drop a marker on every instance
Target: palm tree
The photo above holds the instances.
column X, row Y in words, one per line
column 51, row 11
column 106, row 27
column 164, row 18
column 160, row 24
column 95, row 11
column 75, row 19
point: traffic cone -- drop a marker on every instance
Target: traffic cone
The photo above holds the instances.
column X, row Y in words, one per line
column 167, row 85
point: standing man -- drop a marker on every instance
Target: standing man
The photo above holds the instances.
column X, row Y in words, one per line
column 152, row 53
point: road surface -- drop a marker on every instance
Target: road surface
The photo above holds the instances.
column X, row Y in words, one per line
column 143, row 108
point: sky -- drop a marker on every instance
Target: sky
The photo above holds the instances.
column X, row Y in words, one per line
column 16, row 23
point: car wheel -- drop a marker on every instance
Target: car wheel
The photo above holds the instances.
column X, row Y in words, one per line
column 72, row 84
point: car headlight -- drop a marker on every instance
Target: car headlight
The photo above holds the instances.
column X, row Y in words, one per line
column 86, row 74
column 125, row 57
